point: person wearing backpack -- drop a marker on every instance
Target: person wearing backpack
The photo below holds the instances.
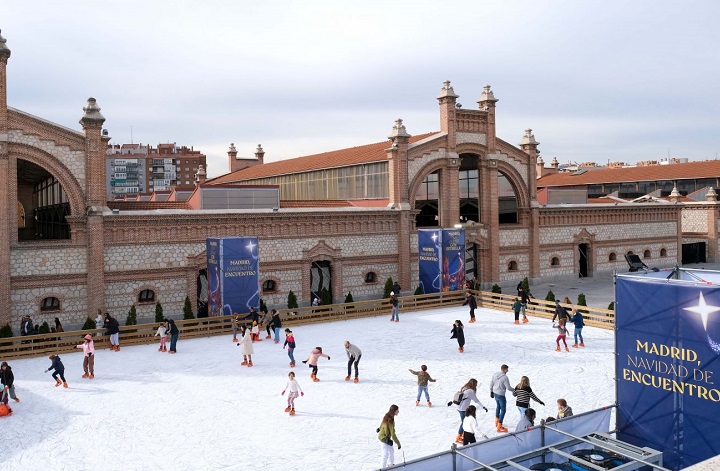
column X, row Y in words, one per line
column 462, row 399
column 499, row 385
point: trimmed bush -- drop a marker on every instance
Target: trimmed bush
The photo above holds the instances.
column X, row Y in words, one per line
column 187, row 309
column 6, row 331
column 325, row 297
column 550, row 296
column 263, row 306
column 44, row 328
column 292, row 301
column 89, row 324
column 388, row 288
column 132, row 316
column 349, row 298
column 419, row 291
column 496, row 289
column 526, row 285
column 159, row 316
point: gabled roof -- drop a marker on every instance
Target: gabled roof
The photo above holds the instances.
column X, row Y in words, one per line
column 690, row 170
column 337, row 158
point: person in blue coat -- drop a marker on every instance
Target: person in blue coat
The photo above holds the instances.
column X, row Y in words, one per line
column 579, row 322
column 59, row 368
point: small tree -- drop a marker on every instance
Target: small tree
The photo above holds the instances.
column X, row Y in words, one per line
column 159, row 316
column 325, row 296
column 388, row 288
column 349, row 298
column 581, row 302
column 550, row 296
column 6, row 331
column 89, row 324
column 187, row 309
column 496, row 289
column 526, row 285
column 263, row 306
column 419, row 291
column 611, row 306
column 132, row 316
column 44, row 328
column 292, row 300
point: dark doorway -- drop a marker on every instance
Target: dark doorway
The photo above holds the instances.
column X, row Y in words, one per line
column 693, row 253
column 583, row 249
column 471, row 268
column 321, row 277
column 202, row 293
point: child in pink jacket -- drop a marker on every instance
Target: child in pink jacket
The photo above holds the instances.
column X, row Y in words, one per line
column 88, row 349
column 312, row 361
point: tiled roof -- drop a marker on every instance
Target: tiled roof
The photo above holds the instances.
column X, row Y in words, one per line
column 690, row 170
column 146, row 205
column 337, row 158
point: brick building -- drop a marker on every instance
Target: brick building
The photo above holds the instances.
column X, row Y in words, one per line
column 346, row 221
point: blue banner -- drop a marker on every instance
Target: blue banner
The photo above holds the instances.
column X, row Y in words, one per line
column 453, row 254
column 233, row 275
column 429, row 263
column 667, row 368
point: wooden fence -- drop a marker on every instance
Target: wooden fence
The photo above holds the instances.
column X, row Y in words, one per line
column 64, row 342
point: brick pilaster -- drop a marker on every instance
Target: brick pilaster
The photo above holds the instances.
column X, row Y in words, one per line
column 8, row 193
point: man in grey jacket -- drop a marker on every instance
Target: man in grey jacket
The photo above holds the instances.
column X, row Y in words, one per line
column 499, row 385
column 354, row 354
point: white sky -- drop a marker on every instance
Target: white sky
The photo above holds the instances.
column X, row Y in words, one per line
column 596, row 81
column 200, row 409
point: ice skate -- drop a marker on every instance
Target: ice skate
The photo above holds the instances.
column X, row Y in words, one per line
column 249, row 363
column 392, row 320
column 234, row 339
column 288, row 409
column 267, row 336
column 472, row 320
column 459, row 439
column 429, row 404
column 356, row 380
column 525, row 320
column 65, row 385
column 58, row 383
column 417, row 403
column 567, row 349
column 575, row 346
column 164, row 349
column 347, row 378
column 557, row 349
column 517, row 322
column 397, row 320
column 292, row 365
column 117, row 348
column 315, row 379
column 582, row 344
column 85, row 375
column 500, row 428
column 461, row 349
column 292, row 412
column 243, row 363
column 277, row 341
column 91, row 376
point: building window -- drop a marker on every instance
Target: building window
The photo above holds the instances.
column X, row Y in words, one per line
column 612, row 257
column 269, row 285
column 663, row 252
column 555, row 262
column 512, row 266
column 646, row 254
column 146, row 296
column 630, row 252
column 50, row 304
column 371, row 277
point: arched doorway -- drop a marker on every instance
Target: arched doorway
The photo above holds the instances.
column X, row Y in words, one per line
column 202, row 293
column 321, row 281
column 45, row 204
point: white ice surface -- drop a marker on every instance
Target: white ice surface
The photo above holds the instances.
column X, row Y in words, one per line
column 200, row 409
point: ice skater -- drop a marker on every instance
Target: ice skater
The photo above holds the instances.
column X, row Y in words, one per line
column 523, row 392
column 99, row 322
column 395, row 303
column 255, row 332
column 471, row 302
column 294, row 387
column 470, row 426
column 88, row 348
column 468, row 394
column 312, row 361
column 290, row 343
column 59, row 370
column 113, row 330
column 517, row 307
column 579, row 322
column 354, row 354
column 562, row 333
column 560, row 312
column 234, row 322
column 267, row 322
column 387, row 437
column 174, row 334
column 246, row 344
column 524, row 298
column 499, row 385
column 276, row 324
column 458, row 333
column 162, row 332
column 7, row 379
column 422, row 378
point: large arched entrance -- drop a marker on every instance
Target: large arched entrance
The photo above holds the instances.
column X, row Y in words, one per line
column 42, row 204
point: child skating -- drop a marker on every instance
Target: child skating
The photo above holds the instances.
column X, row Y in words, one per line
column 290, row 343
column 294, row 387
column 312, row 361
column 255, row 332
column 517, row 307
column 577, row 319
column 59, row 370
column 423, row 378
column 246, row 344
column 234, row 322
column 88, row 348
column 459, row 334
column 162, row 332
column 471, row 302
column 562, row 333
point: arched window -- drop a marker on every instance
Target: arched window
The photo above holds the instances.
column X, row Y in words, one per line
column 630, row 252
column 555, row 262
column 50, row 304
column 646, row 254
column 663, row 252
column 370, row 277
column 507, row 201
column 612, row 257
column 512, row 266
column 146, row 296
column 269, row 285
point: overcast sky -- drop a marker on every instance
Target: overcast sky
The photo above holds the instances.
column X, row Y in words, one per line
column 596, row 81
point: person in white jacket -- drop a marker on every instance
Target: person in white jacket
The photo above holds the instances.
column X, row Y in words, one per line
column 470, row 426
column 499, row 385
column 354, row 354
column 294, row 388
column 469, row 395
column 246, row 344
column 162, row 332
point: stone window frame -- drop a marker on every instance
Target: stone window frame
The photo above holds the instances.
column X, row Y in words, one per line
column 555, row 261
column 663, row 252
column 146, row 302
column 647, row 254
column 41, row 302
column 512, row 265
column 275, row 285
column 612, row 257
column 375, row 277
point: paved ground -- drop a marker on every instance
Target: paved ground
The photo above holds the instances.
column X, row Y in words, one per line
column 599, row 290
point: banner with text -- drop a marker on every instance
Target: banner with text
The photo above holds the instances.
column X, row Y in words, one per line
column 667, row 368
column 441, row 259
column 233, row 275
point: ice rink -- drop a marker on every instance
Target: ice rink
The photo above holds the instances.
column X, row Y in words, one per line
column 200, row 409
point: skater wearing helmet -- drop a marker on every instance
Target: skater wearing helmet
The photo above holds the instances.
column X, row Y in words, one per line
column 312, row 362
column 246, row 344
column 294, row 387
column 354, row 354
column 290, row 343
column 88, row 348
column 458, row 333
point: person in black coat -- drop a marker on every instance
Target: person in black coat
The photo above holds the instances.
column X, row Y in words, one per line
column 113, row 330
column 472, row 303
column 276, row 323
column 457, row 333
column 174, row 334
column 59, row 368
column 7, row 379
column 560, row 313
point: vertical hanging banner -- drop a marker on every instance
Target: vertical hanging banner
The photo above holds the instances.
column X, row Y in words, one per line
column 668, row 363
column 233, row 275
column 441, row 263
